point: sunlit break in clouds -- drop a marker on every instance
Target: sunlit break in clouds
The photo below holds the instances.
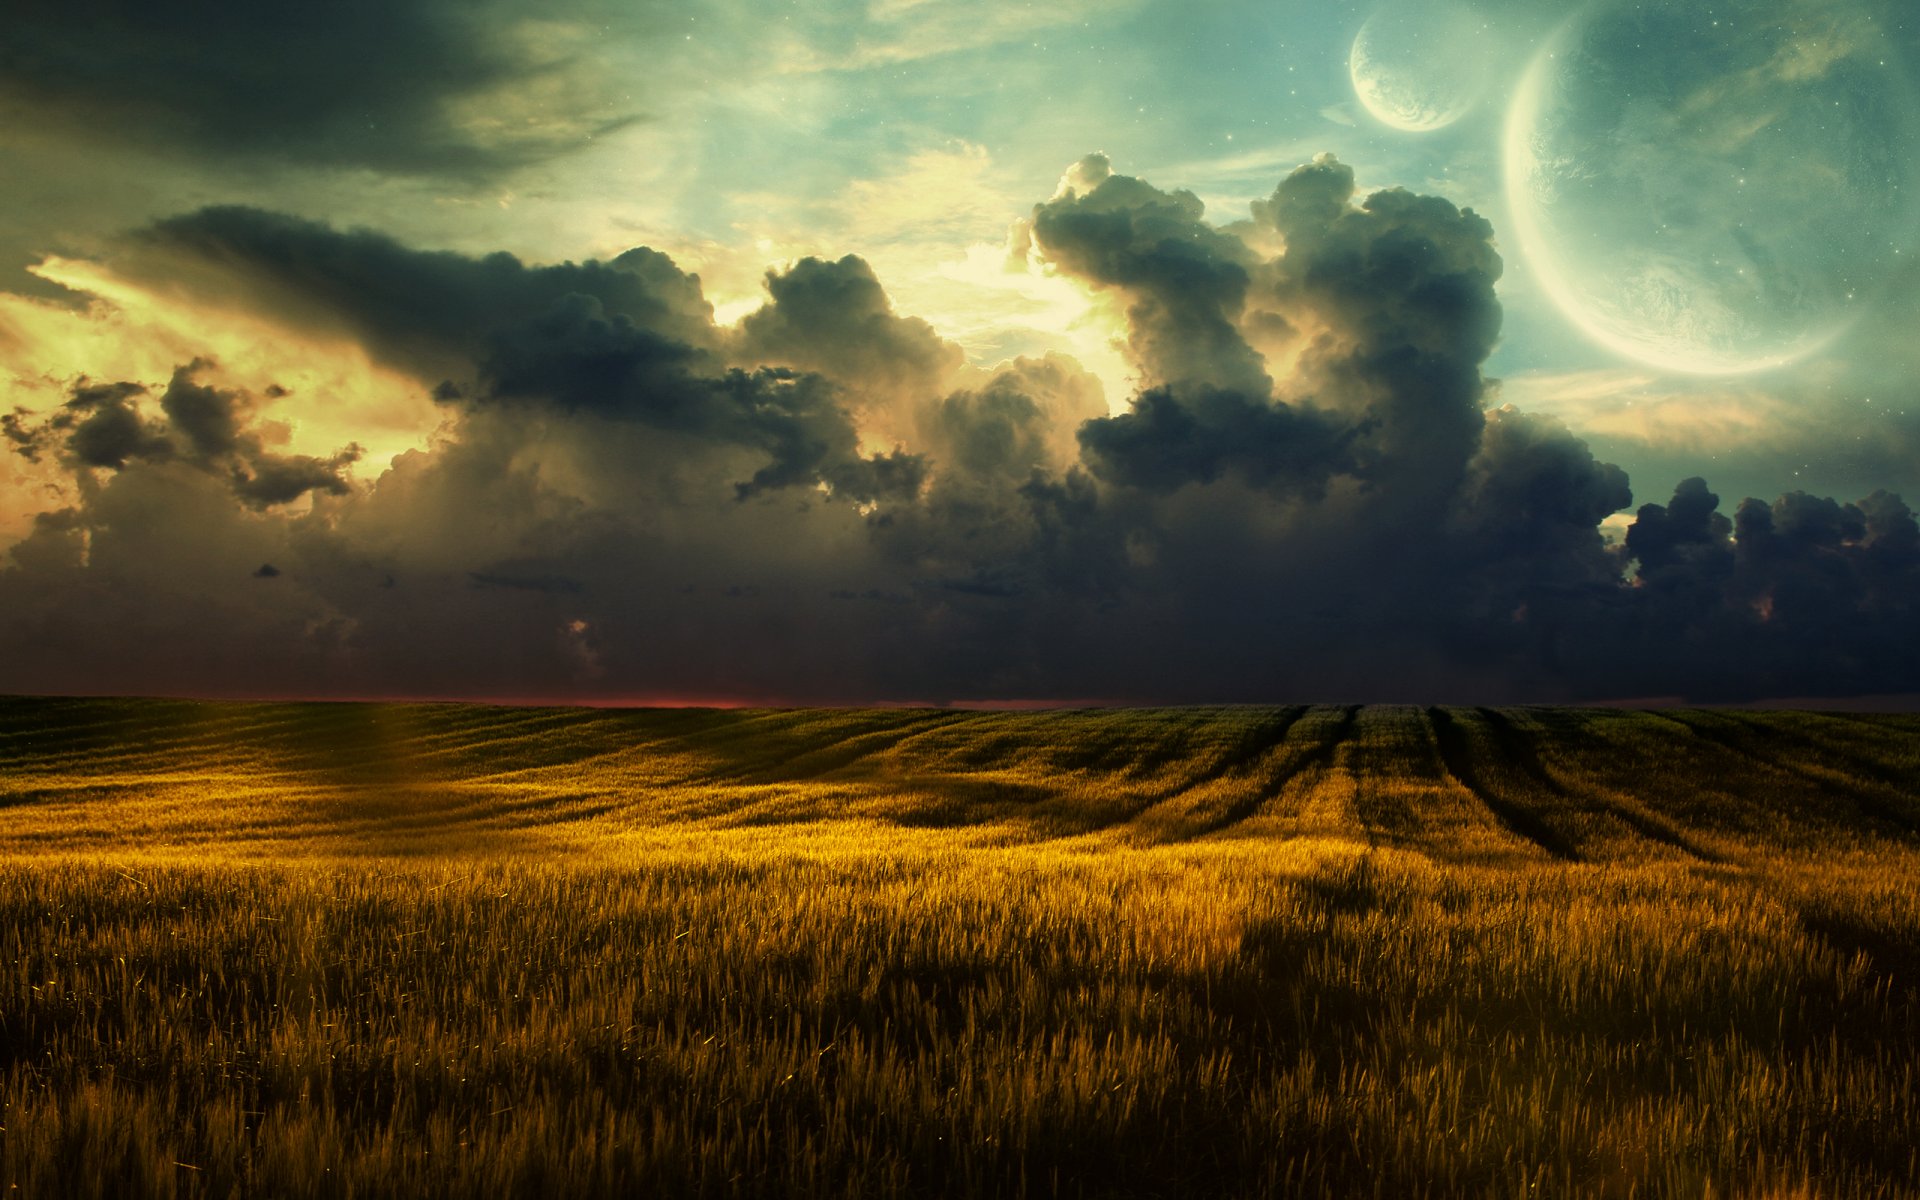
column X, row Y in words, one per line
column 930, row 352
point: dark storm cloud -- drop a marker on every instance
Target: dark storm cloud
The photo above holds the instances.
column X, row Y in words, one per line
column 207, row 417
column 502, row 578
column 1009, row 539
column 578, row 358
column 1185, row 281
column 1803, row 596
column 394, row 85
column 1688, row 531
column 1364, row 498
column 834, row 318
column 1399, row 291
column 810, row 438
column 1307, row 499
column 581, row 357
column 214, row 426
column 630, row 339
column 1023, row 420
column 1533, row 479
column 1526, row 565
column 1168, row 441
column 102, row 426
column 264, row 480
column 425, row 311
column 27, row 440
column 1389, row 306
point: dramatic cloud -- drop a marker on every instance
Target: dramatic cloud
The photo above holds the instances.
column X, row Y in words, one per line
column 1307, row 498
column 1169, row 440
column 103, row 426
column 1185, row 281
column 411, row 86
column 834, row 317
column 429, row 312
column 1781, row 599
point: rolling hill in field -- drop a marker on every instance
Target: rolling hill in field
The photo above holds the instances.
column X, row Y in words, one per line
column 1592, row 785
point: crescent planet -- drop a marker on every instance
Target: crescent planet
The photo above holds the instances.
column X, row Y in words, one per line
column 1710, row 213
column 1414, row 66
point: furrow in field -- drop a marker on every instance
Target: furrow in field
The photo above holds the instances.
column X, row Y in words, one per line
column 134, row 737
column 1514, row 812
column 645, row 748
column 1513, row 747
column 758, row 746
column 1254, row 786
column 161, row 735
column 1885, row 779
column 1230, row 785
column 1310, row 791
column 429, row 741
column 1764, row 745
column 1406, row 797
column 871, row 736
column 1067, row 772
column 619, row 750
column 1398, row 782
column 1459, row 785
column 1127, row 747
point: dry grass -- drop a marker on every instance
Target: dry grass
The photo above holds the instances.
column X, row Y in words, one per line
column 259, row 950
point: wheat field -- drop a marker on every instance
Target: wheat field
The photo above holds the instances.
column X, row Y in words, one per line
column 343, row 950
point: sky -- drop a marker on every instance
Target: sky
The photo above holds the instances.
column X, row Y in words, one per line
column 934, row 351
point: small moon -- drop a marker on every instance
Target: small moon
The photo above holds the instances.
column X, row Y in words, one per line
column 1714, row 192
column 1417, row 66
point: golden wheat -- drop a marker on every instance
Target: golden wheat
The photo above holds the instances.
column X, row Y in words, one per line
column 345, row 950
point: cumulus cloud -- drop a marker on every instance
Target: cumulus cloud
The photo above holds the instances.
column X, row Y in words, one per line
column 432, row 313
column 835, row 318
column 1170, row 439
column 104, row 427
column 101, row 427
column 1792, row 598
column 1308, row 498
column 1185, row 281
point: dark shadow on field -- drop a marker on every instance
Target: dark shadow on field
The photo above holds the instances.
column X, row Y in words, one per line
column 1341, row 961
column 1048, row 774
column 83, row 737
column 1178, row 775
column 789, row 745
column 1635, row 784
column 1892, row 950
column 1772, row 742
column 1514, row 763
column 1278, row 761
column 361, row 779
column 1511, row 745
column 343, row 778
column 1457, row 751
